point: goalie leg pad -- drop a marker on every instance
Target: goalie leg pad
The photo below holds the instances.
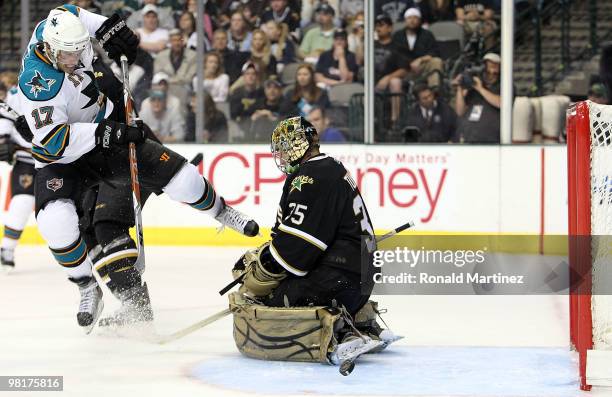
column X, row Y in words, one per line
column 304, row 334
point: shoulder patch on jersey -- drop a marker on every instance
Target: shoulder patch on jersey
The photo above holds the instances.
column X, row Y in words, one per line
column 39, row 81
column 300, row 181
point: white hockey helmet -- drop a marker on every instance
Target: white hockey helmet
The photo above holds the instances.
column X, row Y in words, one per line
column 64, row 31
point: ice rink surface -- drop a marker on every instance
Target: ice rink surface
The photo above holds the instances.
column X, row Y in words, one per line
column 489, row 346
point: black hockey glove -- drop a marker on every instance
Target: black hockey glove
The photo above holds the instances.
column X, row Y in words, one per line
column 7, row 150
column 22, row 127
column 111, row 133
column 117, row 39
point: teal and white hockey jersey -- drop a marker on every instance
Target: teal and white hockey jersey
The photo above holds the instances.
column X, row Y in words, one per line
column 62, row 110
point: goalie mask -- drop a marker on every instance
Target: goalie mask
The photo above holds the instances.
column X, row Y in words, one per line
column 291, row 140
column 67, row 41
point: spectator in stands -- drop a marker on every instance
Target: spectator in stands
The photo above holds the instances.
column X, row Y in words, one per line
column 337, row 65
column 239, row 35
column 3, row 92
column 281, row 46
column 232, row 59
column 476, row 16
column 187, row 25
column 261, row 53
column 319, row 38
column 153, row 39
column 442, row 10
column 280, row 12
column 216, row 82
column 9, row 79
column 396, row 9
column 320, row 121
column 168, row 126
column 420, row 48
column 349, row 9
column 389, row 71
column 89, row 5
column 179, row 63
column 160, row 83
column 164, row 15
column 356, row 43
column 215, row 122
column 597, row 94
column 434, row 118
column 243, row 99
column 477, row 103
column 309, row 10
column 261, row 56
column 270, row 105
column 267, row 113
column 306, row 94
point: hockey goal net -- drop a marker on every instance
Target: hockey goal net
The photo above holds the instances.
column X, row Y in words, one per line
column 589, row 151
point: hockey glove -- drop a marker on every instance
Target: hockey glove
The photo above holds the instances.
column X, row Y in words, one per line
column 109, row 133
column 22, row 127
column 7, row 150
column 117, row 39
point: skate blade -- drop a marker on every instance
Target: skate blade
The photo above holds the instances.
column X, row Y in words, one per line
column 91, row 326
column 354, row 349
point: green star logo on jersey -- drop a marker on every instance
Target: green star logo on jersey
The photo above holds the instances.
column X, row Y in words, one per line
column 39, row 83
column 300, row 181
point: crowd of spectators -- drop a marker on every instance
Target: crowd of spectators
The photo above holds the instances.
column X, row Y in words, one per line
column 269, row 59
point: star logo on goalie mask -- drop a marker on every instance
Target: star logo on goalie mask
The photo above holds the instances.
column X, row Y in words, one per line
column 39, row 83
column 300, row 181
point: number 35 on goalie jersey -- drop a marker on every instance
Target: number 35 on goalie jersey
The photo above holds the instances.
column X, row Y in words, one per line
column 321, row 219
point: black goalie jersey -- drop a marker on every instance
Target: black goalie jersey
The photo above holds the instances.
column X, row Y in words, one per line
column 321, row 219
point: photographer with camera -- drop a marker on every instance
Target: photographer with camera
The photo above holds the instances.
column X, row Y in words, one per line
column 477, row 102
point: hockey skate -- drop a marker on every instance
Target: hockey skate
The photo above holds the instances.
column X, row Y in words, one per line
column 350, row 349
column 237, row 221
column 135, row 308
column 91, row 304
column 365, row 322
column 7, row 260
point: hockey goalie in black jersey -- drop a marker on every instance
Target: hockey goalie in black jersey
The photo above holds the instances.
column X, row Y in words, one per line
column 315, row 257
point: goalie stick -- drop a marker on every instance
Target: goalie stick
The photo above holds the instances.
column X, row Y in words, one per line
column 130, row 118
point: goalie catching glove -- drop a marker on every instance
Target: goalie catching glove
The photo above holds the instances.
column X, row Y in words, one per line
column 117, row 39
column 259, row 271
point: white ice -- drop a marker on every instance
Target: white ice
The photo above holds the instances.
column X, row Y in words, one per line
column 454, row 345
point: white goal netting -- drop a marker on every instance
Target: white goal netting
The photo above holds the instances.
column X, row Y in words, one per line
column 601, row 223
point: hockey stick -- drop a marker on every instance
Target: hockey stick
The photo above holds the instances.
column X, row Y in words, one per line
column 378, row 240
column 162, row 340
column 130, row 118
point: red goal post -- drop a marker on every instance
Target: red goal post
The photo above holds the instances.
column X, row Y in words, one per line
column 589, row 162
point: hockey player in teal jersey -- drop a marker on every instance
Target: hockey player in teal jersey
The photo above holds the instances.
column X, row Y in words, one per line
column 76, row 144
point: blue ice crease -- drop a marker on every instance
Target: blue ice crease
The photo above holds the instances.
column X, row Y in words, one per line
column 408, row 371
